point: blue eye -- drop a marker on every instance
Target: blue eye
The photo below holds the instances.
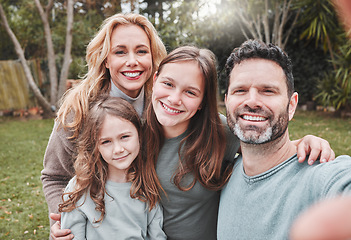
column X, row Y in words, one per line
column 119, row 52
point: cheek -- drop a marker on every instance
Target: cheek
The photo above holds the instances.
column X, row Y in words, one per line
column 231, row 105
column 157, row 92
column 194, row 105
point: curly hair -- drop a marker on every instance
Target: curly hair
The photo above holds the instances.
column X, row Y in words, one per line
column 91, row 169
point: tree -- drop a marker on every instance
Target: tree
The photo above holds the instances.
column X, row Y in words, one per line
column 57, row 87
column 322, row 25
column 266, row 20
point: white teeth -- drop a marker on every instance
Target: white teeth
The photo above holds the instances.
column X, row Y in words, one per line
column 170, row 110
column 131, row 74
column 253, row 118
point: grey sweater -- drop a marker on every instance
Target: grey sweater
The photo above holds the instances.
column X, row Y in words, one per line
column 125, row 218
column 264, row 206
column 190, row 215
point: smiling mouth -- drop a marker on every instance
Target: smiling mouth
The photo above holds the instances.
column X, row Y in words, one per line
column 253, row 118
column 171, row 110
column 120, row 158
column 132, row 74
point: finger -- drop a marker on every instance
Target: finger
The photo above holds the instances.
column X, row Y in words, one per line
column 301, row 152
column 327, row 153
column 313, row 155
column 61, row 234
column 332, row 156
column 64, row 237
column 55, row 216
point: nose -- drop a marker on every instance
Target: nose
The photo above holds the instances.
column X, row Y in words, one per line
column 118, row 148
column 253, row 99
column 175, row 98
column 132, row 60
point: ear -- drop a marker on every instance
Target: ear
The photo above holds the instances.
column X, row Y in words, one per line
column 293, row 105
column 225, row 99
column 106, row 64
column 154, row 78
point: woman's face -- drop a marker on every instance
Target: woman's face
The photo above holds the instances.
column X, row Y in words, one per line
column 177, row 95
column 130, row 59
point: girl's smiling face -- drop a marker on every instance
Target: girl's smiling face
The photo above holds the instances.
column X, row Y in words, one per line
column 177, row 95
column 118, row 145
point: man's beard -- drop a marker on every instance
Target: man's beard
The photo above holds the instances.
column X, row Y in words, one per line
column 252, row 134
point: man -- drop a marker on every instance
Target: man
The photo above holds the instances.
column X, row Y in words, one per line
column 269, row 187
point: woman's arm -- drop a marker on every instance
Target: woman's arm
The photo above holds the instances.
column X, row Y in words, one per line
column 58, row 167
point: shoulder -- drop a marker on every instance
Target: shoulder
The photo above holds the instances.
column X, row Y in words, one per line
column 71, row 184
column 334, row 176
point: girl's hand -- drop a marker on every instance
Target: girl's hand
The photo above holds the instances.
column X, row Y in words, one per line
column 315, row 147
column 56, row 232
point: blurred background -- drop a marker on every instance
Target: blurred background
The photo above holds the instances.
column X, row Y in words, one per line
column 310, row 31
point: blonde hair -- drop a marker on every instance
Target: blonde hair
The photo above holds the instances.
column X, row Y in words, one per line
column 97, row 79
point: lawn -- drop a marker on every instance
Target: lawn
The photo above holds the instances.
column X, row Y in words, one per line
column 23, row 211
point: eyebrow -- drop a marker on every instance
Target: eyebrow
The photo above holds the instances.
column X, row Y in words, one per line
column 172, row 80
column 124, row 46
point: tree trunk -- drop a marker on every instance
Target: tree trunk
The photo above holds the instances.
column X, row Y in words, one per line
column 42, row 101
column 44, row 15
column 67, row 57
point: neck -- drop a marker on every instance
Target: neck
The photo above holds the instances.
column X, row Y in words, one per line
column 258, row 158
column 175, row 131
column 119, row 176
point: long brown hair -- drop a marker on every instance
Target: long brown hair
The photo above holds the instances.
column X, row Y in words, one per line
column 201, row 152
column 91, row 169
column 97, row 79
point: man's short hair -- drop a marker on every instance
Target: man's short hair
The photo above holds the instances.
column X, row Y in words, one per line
column 251, row 49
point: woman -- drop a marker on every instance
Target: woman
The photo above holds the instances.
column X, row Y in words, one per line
column 121, row 59
column 185, row 144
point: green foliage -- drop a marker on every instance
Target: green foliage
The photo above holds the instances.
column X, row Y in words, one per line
column 310, row 64
column 319, row 20
column 335, row 87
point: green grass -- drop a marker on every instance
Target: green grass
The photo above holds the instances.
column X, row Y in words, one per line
column 23, row 210
column 322, row 124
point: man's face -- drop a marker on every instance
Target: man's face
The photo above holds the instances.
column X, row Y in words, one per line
column 257, row 102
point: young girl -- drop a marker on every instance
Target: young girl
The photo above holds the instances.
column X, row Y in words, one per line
column 112, row 194
column 121, row 59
